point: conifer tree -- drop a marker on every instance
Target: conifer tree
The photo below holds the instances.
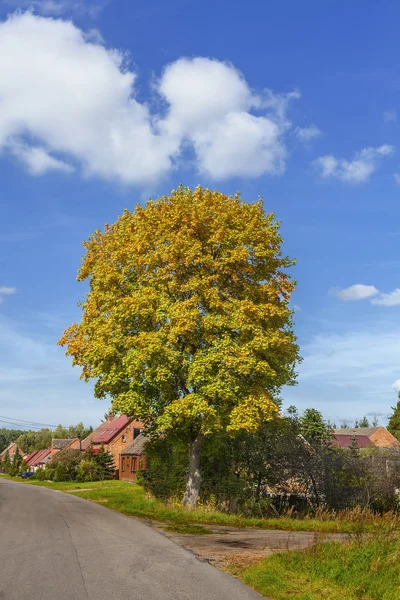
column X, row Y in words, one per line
column 15, row 463
column 6, row 463
column 394, row 421
column 105, row 461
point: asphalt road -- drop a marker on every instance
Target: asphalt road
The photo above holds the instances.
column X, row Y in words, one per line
column 55, row 546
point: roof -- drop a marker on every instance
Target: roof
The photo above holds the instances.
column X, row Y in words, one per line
column 344, row 441
column 39, row 457
column 106, row 431
column 136, row 447
column 31, row 455
column 8, row 448
column 60, row 444
column 366, row 431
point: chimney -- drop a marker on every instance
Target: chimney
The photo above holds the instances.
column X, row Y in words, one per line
column 110, row 417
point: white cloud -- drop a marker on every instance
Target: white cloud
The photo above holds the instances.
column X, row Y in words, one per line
column 65, row 97
column 307, row 134
column 358, row 291
column 388, row 299
column 6, row 291
column 210, row 104
column 397, row 178
column 390, row 116
column 56, row 8
column 37, row 159
column 362, row 292
column 396, row 385
column 355, row 171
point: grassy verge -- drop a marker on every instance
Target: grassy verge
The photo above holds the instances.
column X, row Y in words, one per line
column 133, row 500
column 367, row 569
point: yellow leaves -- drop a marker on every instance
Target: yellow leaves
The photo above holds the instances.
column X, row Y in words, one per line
column 191, row 411
column 251, row 412
column 188, row 313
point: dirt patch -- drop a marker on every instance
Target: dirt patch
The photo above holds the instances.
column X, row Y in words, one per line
column 227, row 545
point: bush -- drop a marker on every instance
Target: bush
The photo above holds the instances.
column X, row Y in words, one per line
column 41, row 474
column 88, row 470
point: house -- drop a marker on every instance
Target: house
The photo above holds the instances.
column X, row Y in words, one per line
column 11, row 449
column 365, row 437
column 39, row 459
column 57, row 445
column 132, row 459
column 114, row 434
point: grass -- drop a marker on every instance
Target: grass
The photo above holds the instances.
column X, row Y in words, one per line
column 364, row 569
column 133, row 500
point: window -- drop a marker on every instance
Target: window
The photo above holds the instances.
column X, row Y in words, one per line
column 124, row 438
column 136, row 432
column 123, row 464
column 127, row 462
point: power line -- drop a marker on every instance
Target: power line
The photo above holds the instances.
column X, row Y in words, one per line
column 31, row 423
column 21, row 425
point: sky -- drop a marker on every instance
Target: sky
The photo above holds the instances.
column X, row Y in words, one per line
column 106, row 103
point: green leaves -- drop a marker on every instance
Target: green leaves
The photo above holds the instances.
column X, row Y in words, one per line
column 187, row 322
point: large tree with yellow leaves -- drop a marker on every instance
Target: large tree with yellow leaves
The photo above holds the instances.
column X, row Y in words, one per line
column 187, row 324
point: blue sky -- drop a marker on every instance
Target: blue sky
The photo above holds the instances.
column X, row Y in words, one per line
column 104, row 104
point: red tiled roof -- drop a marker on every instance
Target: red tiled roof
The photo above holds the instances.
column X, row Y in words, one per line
column 39, row 457
column 31, row 455
column 346, row 440
column 106, row 431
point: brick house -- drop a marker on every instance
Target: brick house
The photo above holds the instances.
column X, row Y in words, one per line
column 58, row 444
column 133, row 459
column 10, row 450
column 378, row 437
column 115, row 434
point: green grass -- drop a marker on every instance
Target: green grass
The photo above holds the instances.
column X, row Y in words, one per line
column 367, row 569
column 133, row 500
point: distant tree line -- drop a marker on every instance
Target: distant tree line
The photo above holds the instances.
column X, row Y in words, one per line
column 30, row 440
column 7, row 436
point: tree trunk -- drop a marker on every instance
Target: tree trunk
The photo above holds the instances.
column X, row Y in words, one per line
column 193, row 483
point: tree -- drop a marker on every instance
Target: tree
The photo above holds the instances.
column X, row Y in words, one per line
column 35, row 440
column 65, row 464
column 23, row 466
column 394, row 420
column 313, row 427
column 362, row 423
column 15, row 463
column 187, row 324
column 6, row 463
column 61, row 432
column 7, row 436
column 105, row 462
column 79, row 431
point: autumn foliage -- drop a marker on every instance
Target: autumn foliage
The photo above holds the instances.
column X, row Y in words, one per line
column 187, row 323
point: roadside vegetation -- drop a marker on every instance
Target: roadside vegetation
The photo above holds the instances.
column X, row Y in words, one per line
column 133, row 500
column 363, row 569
